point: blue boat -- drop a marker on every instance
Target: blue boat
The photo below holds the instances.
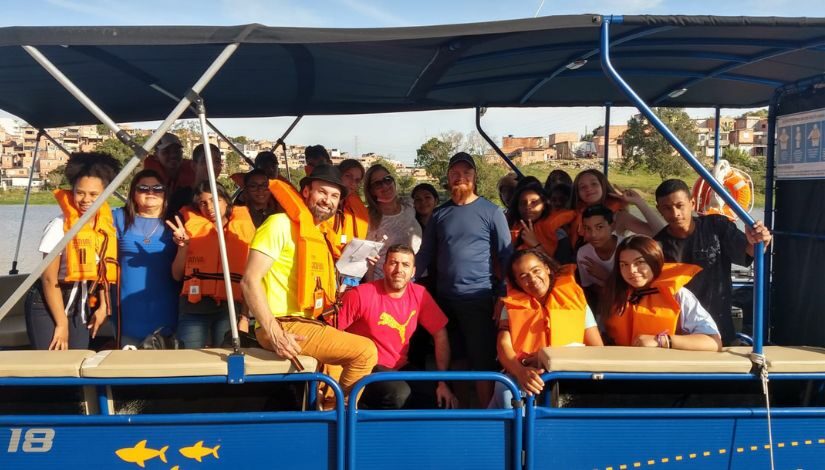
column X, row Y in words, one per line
column 610, row 408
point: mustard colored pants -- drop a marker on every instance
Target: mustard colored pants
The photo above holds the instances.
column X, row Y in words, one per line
column 355, row 354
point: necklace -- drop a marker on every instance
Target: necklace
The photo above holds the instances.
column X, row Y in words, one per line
column 147, row 237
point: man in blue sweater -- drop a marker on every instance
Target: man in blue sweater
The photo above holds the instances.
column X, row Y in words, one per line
column 467, row 243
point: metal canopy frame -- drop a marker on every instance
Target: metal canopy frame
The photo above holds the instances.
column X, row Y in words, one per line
column 617, row 79
column 140, row 153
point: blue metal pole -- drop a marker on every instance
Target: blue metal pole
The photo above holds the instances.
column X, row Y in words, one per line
column 102, row 399
column 716, row 128
column 611, row 72
column 529, row 430
column 606, row 135
column 770, row 156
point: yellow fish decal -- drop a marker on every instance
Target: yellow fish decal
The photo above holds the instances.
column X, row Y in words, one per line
column 176, row 467
column 198, row 451
column 139, row 454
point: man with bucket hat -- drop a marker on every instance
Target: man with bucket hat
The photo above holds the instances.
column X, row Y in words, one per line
column 290, row 279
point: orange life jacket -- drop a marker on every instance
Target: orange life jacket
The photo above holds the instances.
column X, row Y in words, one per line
column 203, row 261
column 97, row 240
column 314, row 260
column 351, row 221
column 186, row 173
column 577, row 228
column 654, row 313
column 560, row 321
column 546, row 230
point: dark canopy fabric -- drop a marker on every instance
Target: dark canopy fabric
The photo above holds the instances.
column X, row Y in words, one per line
column 725, row 61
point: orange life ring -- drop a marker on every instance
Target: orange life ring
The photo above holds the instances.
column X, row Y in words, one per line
column 738, row 183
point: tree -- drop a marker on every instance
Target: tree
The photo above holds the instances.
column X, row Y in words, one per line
column 232, row 163
column 118, row 149
column 488, row 175
column 56, row 178
column 646, row 148
column 760, row 113
column 434, row 155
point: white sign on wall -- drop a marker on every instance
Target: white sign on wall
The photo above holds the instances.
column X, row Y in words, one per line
column 800, row 145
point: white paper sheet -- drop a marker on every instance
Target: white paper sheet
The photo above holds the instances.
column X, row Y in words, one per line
column 353, row 260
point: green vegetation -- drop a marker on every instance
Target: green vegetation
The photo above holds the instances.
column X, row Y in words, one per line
column 42, row 197
column 645, row 148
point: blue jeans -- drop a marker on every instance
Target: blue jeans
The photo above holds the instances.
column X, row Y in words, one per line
column 502, row 397
column 203, row 324
column 197, row 330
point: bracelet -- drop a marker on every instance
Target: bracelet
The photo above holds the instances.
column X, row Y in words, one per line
column 663, row 340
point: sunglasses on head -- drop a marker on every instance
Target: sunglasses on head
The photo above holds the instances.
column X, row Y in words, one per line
column 385, row 181
column 146, row 189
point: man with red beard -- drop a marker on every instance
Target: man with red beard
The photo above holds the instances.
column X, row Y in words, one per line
column 467, row 241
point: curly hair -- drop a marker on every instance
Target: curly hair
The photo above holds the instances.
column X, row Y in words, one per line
column 91, row 164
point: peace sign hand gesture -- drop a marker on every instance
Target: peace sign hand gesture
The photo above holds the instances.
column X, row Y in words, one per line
column 528, row 233
column 179, row 234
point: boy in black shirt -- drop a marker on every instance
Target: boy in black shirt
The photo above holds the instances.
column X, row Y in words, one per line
column 712, row 242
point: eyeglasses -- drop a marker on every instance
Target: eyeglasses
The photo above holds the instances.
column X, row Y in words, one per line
column 385, row 181
column 154, row 189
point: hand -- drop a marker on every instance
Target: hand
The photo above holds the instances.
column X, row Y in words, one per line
column 630, row 196
column 444, row 397
column 243, row 324
column 179, row 234
column 758, row 233
column 595, row 269
column 528, row 234
column 372, row 262
column 97, row 320
column 60, row 339
column 646, row 341
column 529, row 379
column 284, row 344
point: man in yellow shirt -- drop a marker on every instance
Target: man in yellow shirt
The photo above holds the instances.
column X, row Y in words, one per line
column 271, row 285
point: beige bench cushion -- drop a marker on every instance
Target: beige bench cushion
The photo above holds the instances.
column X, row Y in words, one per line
column 184, row 363
column 788, row 359
column 630, row 359
column 42, row 363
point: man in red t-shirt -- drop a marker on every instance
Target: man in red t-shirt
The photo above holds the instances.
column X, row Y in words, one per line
column 388, row 311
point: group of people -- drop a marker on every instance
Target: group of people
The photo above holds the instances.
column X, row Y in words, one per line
column 564, row 264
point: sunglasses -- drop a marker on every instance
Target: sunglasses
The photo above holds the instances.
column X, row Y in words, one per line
column 154, row 189
column 257, row 187
column 385, row 181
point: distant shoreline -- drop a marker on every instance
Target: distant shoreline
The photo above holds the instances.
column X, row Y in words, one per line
column 38, row 198
column 18, row 196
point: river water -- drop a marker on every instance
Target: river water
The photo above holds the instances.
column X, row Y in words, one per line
column 36, row 219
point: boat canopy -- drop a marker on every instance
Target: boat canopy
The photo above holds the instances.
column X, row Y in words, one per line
column 134, row 72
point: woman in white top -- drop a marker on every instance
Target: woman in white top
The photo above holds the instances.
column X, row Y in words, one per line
column 390, row 216
column 70, row 302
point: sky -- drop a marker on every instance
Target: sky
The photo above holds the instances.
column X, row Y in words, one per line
column 395, row 135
